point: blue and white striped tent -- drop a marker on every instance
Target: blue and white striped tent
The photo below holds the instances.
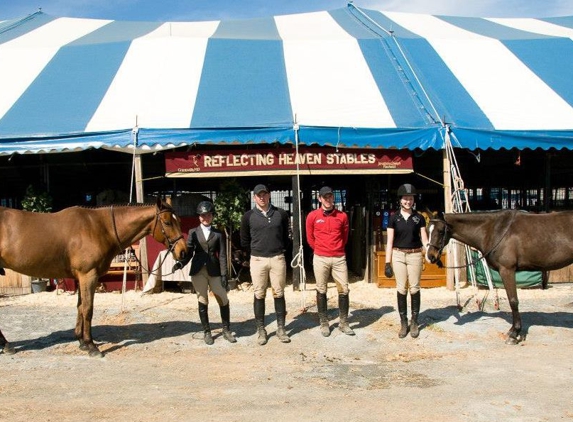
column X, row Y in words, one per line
column 348, row 77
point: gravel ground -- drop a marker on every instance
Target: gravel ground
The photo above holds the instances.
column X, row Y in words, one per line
column 157, row 367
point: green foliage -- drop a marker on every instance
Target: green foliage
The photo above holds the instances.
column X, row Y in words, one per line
column 230, row 205
column 36, row 202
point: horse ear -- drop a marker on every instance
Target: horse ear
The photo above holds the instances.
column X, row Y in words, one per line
column 159, row 203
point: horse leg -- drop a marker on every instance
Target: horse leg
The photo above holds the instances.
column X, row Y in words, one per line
column 87, row 287
column 6, row 347
column 79, row 330
column 508, row 277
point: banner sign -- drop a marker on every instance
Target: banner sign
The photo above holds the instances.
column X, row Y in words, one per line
column 285, row 161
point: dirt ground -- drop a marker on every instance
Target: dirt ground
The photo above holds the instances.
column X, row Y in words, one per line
column 157, row 367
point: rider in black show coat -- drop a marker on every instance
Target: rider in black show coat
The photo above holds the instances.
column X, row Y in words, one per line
column 208, row 255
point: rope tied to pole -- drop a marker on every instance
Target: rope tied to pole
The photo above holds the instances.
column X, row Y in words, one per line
column 298, row 259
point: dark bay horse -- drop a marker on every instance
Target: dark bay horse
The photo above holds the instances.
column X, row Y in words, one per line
column 510, row 241
column 80, row 243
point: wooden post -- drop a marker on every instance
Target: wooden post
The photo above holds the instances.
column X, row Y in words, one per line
column 139, row 195
column 448, row 208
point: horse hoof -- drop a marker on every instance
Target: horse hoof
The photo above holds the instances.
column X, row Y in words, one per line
column 511, row 341
column 95, row 354
column 8, row 349
column 84, row 347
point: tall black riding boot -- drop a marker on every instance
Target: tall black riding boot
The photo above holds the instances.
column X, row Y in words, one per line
column 226, row 319
column 259, row 306
column 322, row 305
column 403, row 311
column 280, row 310
column 204, row 317
column 415, row 299
column 343, row 307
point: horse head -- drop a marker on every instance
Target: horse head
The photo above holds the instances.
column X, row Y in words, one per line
column 167, row 230
column 439, row 235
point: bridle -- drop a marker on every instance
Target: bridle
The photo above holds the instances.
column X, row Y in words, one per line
column 170, row 242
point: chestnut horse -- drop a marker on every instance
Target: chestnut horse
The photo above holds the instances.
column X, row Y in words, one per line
column 510, row 241
column 80, row 243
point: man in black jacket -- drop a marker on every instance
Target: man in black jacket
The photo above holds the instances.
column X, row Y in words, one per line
column 208, row 255
column 265, row 235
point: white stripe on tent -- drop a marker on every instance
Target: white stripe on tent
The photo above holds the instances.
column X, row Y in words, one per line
column 158, row 79
column 493, row 76
column 330, row 83
column 535, row 26
column 28, row 54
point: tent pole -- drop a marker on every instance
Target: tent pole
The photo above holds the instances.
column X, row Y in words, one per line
column 296, row 240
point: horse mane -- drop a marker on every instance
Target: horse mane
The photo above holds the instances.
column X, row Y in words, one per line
column 129, row 204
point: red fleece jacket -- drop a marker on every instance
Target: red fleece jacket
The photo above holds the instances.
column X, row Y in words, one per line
column 327, row 234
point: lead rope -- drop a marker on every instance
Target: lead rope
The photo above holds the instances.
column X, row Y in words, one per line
column 298, row 259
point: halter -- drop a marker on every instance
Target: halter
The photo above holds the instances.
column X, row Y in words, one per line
column 443, row 243
column 441, row 247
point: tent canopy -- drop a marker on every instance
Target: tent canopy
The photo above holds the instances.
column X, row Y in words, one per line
column 348, row 77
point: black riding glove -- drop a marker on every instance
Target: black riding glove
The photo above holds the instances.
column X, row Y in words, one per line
column 388, row 270
column 178, row 265
column 225, row 282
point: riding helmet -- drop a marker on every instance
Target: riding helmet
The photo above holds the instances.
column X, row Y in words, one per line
column 205, row 207
column 406, row 189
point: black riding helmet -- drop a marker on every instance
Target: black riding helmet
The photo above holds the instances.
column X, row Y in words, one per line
column 406, row 189
column 205, row 207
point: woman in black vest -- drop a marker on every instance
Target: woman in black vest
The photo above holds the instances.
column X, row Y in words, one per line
column 407, row 237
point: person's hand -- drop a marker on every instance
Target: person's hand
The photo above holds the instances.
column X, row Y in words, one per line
column 178, row 265
column 225, row 282
column 388, row 270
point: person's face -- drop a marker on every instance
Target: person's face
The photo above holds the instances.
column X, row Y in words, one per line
column 206, row 219
column 327, row 201
column 262, row 199
column 407, row 202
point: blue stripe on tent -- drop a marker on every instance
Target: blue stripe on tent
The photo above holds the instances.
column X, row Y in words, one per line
column 399, row 138
column 501, row 139
column 551, row 60
column 392, row 83
column 66, row 94
column 450, row 98
column 15, row 28
column 447, row 95
column 244, row 82
column 566, row 21
column 182, row 137
column 63, row 143
column 490, row 29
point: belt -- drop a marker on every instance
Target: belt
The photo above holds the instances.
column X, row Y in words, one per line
column 415, row 250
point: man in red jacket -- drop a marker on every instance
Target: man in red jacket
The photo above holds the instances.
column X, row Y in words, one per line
column 327, row 234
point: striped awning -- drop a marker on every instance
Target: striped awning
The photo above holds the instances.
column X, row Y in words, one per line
column 348, row 77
